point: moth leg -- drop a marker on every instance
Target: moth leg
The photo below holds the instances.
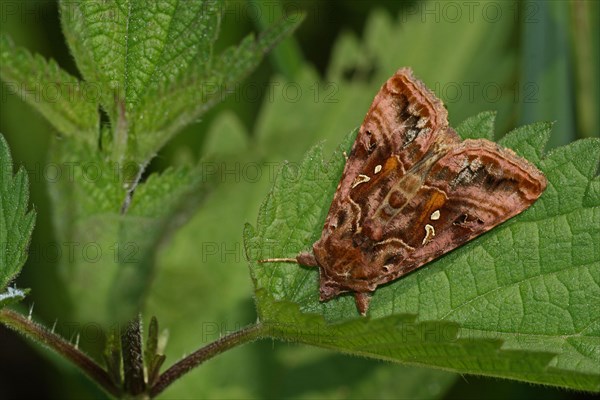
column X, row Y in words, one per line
column 362, row 302
column 307, row 258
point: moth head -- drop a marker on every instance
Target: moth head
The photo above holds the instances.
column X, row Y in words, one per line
column 343, row 266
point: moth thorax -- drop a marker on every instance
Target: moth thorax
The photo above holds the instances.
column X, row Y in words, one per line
column 411, row 183
column 397, row 199
column 373, row 230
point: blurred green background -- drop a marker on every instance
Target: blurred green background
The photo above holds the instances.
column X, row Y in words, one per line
column 529, row 61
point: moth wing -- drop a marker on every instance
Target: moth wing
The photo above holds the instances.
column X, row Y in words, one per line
column 474, row 187
column 403, row 121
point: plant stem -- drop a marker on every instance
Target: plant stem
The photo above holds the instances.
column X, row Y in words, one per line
column 120, row 133
column 40, row 334
column 246, row 335
column 133, row 364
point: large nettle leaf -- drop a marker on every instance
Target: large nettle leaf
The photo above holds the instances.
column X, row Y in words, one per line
column 16, row 224
column 520, row 301
column 61, row 98
column 152, row 68
column 155, row 65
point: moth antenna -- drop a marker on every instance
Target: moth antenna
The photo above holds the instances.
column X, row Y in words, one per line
column 268, row 260
column 304, row 258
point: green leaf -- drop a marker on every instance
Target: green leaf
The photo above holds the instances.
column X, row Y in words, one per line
column 480, row 126
column 231, row 139
column 112, row 354
column 152, row 342
column 131, row 45
column 16, row 223
column 12, row 296
column 167, row 109
column 156, row 65
column 113, row 237
column 343, row 376
column 129, row 48
column 69, row 104
column 153, row 357
column 302, row 111
column 529, row 140
column 96, row 34
column 151, row 62
column 306, row 110
column 519, row 302
column 485, row 82
column 287, row 57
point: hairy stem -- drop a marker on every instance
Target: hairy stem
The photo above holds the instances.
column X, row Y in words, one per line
column 133, row 364
column 180, row 368
column 40, row 334
column 120, row 133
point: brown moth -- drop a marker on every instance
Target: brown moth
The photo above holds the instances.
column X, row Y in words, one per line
column 411, row 191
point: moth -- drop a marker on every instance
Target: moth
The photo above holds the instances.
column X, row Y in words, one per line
column 411, row 191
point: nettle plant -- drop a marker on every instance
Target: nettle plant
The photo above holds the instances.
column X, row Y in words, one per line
column 519, row 302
